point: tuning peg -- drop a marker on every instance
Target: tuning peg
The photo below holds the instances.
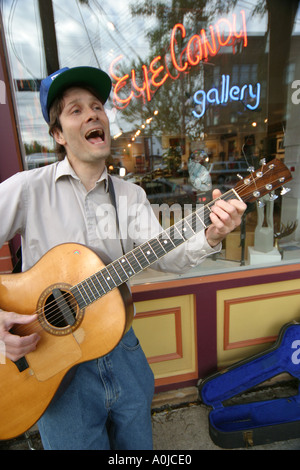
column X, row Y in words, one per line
column 260, row 204
column 284, row 191
column 273, row 197
column 239, row 176
column 251, row 169
column 262, row 161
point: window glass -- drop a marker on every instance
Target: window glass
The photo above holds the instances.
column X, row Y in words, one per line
column 202, row 92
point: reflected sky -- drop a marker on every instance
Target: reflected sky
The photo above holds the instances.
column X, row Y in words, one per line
column 86, row 35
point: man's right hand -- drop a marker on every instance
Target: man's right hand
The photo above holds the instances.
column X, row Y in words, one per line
column 16, row 346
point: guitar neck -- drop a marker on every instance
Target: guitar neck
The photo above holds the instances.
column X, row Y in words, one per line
column 143, row 256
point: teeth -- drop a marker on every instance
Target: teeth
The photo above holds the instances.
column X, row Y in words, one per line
column 98, row 132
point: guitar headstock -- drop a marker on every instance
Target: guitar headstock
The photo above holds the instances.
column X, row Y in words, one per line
column 269, row 177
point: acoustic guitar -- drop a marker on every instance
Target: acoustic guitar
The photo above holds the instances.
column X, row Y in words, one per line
column 84, row 307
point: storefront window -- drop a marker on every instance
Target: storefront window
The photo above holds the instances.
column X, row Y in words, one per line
column 202, row 92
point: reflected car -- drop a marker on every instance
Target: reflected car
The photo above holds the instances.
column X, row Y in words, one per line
column 181, row 199
column 36, row 160
column 162, row 190
column 226, row 172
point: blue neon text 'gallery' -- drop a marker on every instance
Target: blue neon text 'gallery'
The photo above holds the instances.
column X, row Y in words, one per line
column 248, row 94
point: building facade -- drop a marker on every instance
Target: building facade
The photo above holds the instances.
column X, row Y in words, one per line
column 201, row 93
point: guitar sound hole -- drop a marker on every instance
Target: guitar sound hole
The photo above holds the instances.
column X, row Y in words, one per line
column 60, row 309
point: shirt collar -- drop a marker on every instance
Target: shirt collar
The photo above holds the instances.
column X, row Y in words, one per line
column 65, row 169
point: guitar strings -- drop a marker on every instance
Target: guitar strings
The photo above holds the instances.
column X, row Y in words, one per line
column 54, row 313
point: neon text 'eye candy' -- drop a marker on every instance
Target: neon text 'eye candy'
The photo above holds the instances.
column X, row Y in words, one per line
column 177, row 60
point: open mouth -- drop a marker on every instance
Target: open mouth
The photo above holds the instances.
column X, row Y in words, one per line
column 95, row 136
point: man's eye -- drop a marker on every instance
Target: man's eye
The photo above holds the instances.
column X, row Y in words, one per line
column 74, row 110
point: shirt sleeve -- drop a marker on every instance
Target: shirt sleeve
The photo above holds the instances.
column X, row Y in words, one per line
column 12, row 207
column 182, row 258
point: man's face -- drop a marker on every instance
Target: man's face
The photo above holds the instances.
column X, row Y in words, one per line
column 85, row 127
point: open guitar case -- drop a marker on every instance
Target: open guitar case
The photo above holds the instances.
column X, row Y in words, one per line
column 261, row 422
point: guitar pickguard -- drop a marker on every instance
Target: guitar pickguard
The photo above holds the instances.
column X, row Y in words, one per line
column 53, row 357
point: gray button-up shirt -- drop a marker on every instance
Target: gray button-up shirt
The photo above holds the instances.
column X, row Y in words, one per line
column 49, row 206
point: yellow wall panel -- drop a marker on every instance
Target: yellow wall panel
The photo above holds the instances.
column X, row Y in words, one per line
column 166, row 329
column 249, row 318
column 158, row 343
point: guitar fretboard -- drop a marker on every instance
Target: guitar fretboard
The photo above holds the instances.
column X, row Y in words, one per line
column 141, row 257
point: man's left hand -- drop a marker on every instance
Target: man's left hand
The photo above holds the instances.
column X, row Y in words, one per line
column 225, row 217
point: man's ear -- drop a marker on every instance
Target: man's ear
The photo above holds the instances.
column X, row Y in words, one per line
column 58, row 136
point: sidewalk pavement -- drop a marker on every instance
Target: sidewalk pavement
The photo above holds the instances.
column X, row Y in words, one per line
column 180, row 422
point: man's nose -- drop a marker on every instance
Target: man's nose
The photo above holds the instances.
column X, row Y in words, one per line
column 91, row 115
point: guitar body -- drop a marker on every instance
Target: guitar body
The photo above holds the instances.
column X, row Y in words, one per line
column 96, row 330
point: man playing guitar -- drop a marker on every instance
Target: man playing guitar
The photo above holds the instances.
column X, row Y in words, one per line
column 107, row 403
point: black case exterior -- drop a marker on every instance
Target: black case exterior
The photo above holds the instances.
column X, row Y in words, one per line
column 260, row 422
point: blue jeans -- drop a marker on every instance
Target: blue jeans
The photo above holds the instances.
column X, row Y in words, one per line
column 106, row 406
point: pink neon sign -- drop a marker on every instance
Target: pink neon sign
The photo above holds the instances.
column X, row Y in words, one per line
column 199, row 47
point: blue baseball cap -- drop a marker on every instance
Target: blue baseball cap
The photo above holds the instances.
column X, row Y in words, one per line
column 65, row 78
